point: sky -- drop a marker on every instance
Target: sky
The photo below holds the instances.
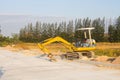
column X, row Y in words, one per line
column 15, row 14
column 61, row 8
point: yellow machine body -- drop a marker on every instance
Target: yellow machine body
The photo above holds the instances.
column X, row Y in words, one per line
column 67, row 44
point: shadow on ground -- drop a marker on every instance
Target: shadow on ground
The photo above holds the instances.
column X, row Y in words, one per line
column 1, row 72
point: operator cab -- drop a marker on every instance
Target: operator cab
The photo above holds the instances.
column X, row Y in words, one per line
column 86, row 42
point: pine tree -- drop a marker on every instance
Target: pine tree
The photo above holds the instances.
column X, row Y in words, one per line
column 44, row 33
column 78, row 24
column 0, row 30
column 70, row 31
column 111, row 33
column 86, row 22
column 118, row 29
column 37, row 31
column 98, row 32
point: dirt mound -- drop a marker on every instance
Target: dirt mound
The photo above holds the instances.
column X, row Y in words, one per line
column 85, row 58
column 8, row 47
column 102, row 58
column 11, row 48
column 31, row 52
column 117, row 60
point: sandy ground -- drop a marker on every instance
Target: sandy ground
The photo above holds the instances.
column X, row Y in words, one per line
column 17, row 66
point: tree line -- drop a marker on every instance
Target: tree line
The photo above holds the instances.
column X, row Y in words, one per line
column 69, row 30
column 9, row 40
column 114, row 31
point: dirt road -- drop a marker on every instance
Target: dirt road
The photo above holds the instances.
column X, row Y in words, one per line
column 16, row 66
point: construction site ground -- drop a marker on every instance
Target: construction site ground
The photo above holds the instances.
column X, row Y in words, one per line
column 28, row 64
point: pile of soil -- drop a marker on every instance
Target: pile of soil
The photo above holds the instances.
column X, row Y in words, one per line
column 117, row 60
column 8, row 47
column 102, row 58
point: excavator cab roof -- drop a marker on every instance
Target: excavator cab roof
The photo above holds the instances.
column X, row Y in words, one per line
column 90, row 28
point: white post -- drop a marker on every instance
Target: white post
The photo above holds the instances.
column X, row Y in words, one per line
column 89, row 31
column 85, row 34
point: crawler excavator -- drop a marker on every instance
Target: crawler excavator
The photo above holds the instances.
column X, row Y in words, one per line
column 85, row 48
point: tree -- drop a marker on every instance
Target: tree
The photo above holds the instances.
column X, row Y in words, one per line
column 15, row 38
column 22, row 34
column 51, row 30
column 98, row 32
column 111, row 33
column 37, row 32
column 78, row 24
column 0, row 31
column 44, row 33
column 118, row 30
column 114, row 31
column 70, row 31
column 56, row 28
column 86, row 22
column 67, row 30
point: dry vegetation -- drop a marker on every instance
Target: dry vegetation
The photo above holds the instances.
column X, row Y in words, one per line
column 26, row 46
column 109, row 49
column 106, row 45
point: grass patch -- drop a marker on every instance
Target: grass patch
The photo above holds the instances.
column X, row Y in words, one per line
column 108, row 52
column 3, row 44
column 108, row 49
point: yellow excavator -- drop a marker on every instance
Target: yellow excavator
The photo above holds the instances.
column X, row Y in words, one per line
column 82, row 48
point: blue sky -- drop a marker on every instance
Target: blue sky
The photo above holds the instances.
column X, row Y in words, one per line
column 62, row 8
column 15, row 14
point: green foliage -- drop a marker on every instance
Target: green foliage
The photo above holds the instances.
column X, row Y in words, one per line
column 111, row 33
column 68, row 30
column 86, row 22
column 117, row 32
column 8, row 41
column 42, row 31
column 98, row 32
column 114, row 31
column 4, row 41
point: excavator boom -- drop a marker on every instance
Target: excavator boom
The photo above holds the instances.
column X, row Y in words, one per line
column 42, row 45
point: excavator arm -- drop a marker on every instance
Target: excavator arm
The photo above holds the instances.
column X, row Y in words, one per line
column 68, row 45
